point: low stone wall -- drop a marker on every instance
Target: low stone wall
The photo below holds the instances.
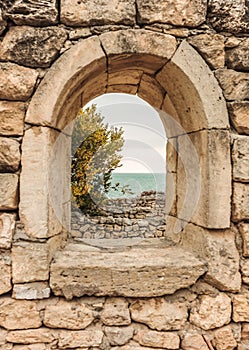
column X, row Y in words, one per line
column 134, row 217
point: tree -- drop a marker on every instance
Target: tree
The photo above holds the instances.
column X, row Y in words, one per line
column 95, row 155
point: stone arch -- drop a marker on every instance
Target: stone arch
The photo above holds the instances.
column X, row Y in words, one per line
column 173, row 79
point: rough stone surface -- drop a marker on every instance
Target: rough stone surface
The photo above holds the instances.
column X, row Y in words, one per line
column 30, row 262
column 134, row 346
column 135, row 49
column 93, row 12
column 16, row 82
column 244, row 230
column 229, row 15
column 9, row 155
column 18, row 314
column 36, row 13
column 211, row 312
column 241, row 307
column 32, row 47
column 3, row 23
column 211, row 48
column 31, row 336
column 7, row 227
column 159, row 314
column 235, row 85
column 119, row 335
column 240, row 201
column 238, row 57
column 8, row 191
column 194, row 342
column 80, row 339
column 100, row 273
column 165, row 340
column 239, row 114
column 68, row 315
column 116, row 312
column 240, row 156
column 11, row 118
column 179, row 13
column 5, row 268
column 31, row 291
column 224, row 339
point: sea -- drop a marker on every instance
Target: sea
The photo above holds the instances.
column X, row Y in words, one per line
column 136, row 183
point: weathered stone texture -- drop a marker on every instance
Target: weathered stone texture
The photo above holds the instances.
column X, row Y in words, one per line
column 3, row 23
column 80, row 339
column 9, row 155
column 211, row 48
column 194, row 342
column 16, row 82
column 244, row 230
column 240, row 201
column 31, row 291
column 11, row 118
column 224, row 339
column 8, row 191
column 68, row 315
column 240, row 156
column 239, row 114
column 31, row 336
column 165, row 340
column 238, row 57
column 18, row 314
column 116, row 312
column 5, row 268
column 119, row 335
column 7, row 227
column 159, row 313
column 94, row 12
column 42, row 12
column 32, row 47
column 235, row 85
column 30, row 262
column 241, row 307
column 211, row 312
column 179, row 12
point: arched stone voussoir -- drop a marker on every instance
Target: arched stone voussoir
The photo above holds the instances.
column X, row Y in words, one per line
column 194, row 91
column 75, row 67
column 137, row 49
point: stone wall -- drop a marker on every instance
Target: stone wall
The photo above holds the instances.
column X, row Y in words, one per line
column 207, row 303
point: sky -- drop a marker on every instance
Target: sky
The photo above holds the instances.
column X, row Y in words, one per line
column 144, row 150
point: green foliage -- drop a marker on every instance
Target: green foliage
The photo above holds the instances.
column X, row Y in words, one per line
column 96, row 154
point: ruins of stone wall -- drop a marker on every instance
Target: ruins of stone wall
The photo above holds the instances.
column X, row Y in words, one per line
column 215, row 309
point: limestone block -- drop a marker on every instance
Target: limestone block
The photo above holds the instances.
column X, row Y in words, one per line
column 194, row 342
column 125, row 77
column 239, row 114
column 241, row 307
column 39, row 346
column 16, row 82
column 3, row 334
column 245, row 331
column 11, row 118
column 159, row 313
column 211, row 312
column 240, row 156
column 133, row 346
column 8, row 191
column 79, row 33
column 86, row 13
column 240, row 201
column 211, row 47
column 30, row 262
column 7, row 227
column 5, row 268
column 31, row 336
column 31, row 291
column 165, row 340
column 151, row 91
column 32, row 47
column 69, row 315
column 228, row 16
column 244, row 230
column 237, row 57
column 100, row 272
column 79, row 339
column 119, row 335
column 235, row 85
column 137, row 49
column 18, row 314
column 224, row 339
column 179, row 13
column 116, row 312
column 40, row 13
column 9, row 155
column 126, row 89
